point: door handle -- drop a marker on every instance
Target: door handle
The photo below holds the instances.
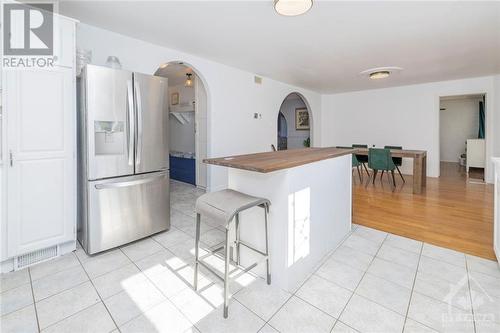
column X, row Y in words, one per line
column 131, row 129
column 11, row 158
column 129, row 183
column 138, row 102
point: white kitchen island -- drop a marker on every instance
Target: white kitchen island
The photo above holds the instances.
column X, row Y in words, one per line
column 311, row 203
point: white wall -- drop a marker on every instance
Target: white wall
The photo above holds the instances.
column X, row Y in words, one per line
column 182, row 135
column 295, row 139
column 201, row 132
column 407, row 116
column 233, row 97
column 459, row 121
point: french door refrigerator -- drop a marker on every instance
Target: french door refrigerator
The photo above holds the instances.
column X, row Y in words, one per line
column 123, row 172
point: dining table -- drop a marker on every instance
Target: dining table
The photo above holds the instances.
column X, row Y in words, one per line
column 419, row 165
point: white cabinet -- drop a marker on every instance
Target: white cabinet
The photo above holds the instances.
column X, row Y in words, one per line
column 38, row 169
column 476, row 153
column 64, row 41
column 41, row 159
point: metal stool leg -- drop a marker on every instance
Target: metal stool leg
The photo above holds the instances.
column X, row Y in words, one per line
column 196, row 250
column 266, row 212
column 237, row 222
column 226, row 275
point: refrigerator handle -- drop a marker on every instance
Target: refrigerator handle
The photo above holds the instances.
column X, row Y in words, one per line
column 129, row 183
column 131, row 130
column 139, row 123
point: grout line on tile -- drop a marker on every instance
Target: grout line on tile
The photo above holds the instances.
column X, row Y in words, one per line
column 72, row 315
column 314, row 306
column 60, row 292
column 443, row 261
column 51, row 261
column 392, row 263
column 63, row 290
column 362, row 277
column 167, row 299
column 470, row 296
column 340, row 321
column 327, row 256
column 413, row 285
column 274, row 328
column 99, row 295
column 34, row 303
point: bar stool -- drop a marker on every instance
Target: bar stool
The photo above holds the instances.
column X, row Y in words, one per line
column 224, row 206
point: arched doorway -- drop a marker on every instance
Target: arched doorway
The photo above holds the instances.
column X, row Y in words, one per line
column 187, row 104
column 294, row 123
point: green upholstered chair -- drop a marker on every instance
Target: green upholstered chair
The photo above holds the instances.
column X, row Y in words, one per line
column 363, row 159
column 355, row 162
column 398, row 161
column 380, row 159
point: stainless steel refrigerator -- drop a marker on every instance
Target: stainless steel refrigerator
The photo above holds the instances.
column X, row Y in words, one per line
column 123, row 171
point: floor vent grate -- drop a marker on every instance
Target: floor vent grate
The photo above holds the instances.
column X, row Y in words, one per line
column 35, row 257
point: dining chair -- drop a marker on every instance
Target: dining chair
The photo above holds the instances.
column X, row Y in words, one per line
column 381, row 159
column 355, row 163
column 398, row 161
column 363, row 159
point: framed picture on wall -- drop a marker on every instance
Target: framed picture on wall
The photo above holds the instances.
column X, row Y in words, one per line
column 174, row 98
column 301, row 119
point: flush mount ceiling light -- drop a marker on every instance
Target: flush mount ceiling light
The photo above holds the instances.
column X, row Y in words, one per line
column 380, row 72
column 292, row 7
column 165, row 65
column 189, row 80
column 379, row 75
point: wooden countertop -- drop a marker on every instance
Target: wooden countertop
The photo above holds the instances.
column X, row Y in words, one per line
column 278, row 160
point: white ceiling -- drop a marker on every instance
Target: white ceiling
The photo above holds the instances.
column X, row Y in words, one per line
column 323, row 50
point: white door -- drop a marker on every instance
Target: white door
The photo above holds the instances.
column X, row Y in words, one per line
column 41, row 158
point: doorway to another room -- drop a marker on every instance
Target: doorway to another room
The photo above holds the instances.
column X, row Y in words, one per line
column 462, row 137
column 186, row 104
column 294, row 123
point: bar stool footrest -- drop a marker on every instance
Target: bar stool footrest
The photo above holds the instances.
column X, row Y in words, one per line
column 217, row 274
column 252, row 248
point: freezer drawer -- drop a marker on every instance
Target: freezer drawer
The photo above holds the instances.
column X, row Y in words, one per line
column 125, row 209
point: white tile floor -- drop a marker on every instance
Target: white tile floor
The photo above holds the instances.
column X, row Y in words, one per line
column 374, row 282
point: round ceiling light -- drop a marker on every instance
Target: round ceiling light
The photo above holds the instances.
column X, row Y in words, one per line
column 380, row 72
column 292, row 7
column 379, row 75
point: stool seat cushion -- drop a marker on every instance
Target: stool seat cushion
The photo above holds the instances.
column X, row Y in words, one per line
column 223, row 205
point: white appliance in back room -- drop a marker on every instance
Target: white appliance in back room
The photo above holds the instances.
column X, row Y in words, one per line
column 123, row 172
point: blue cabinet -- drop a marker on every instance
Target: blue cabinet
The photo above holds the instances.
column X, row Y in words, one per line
column 183, row 169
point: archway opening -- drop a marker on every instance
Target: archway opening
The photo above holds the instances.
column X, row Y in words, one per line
column 187, row 105
column 294, row 123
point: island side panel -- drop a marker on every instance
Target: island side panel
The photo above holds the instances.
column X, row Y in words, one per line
column 310, row 215
column 273, row 186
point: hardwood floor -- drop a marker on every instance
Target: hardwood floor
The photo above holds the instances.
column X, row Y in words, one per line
column 452, row 212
